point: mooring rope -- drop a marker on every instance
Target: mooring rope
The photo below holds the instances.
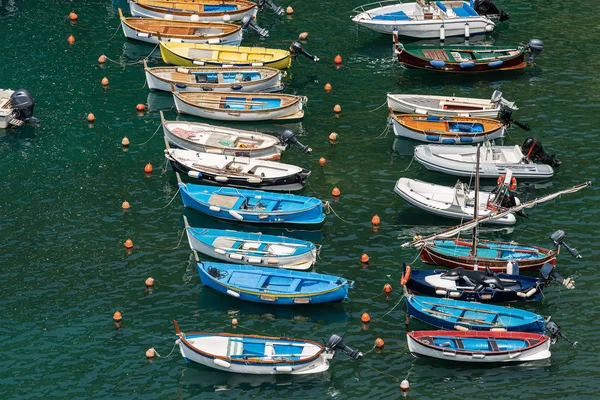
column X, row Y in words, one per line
column 141, row 144
column 159, row 356
column 399, row 301
column 173, row 198
column 329, row 209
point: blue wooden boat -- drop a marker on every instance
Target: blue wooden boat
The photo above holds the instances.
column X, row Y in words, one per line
column 273, row 286
column 252, row 248
column 253, row 206
column 462, row 315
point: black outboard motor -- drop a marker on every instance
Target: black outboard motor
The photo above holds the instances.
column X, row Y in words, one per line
column 549, row 274
column 506, row 117
column 288, row 137
column 554, row 331
column 296, row 48
column 23, row 105
column 248, row 21
column 489, row 9
column 533, row 150
column 270, row 5
column 558, row 238
column 535, row 47
column 336, row 343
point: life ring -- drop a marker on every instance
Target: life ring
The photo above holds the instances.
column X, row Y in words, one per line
column 405, row 276
column 513, row 182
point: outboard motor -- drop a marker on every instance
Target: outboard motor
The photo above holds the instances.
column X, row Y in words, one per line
column 489, row 9
column 272, row 6
column 533, row 150
column 248, row 21
column 296, row 48
column 554, row 331
column 535, row 47
column 23, row 105
column 558, row 238
column 336, row 343
column 288, row 137
column 548, row 274
column 506, row 117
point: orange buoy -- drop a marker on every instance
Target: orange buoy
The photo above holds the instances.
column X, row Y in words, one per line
column 379, row 343
column 289, row 10
column 149, row 282
column 148, row 168
column 140, row 107
column 125, row 205
column 364, row 258
column 72, row 16
column 71, row 39
column 328, row 87
column 303, row 35
column 102, row 59
column 333, row 136
column 375, row 220
column 128, row 243
column 336, row 192
column 234, row 321
column 150, row 352
column 117, row 316
column 365, row 317
column 387, row 288
column 91, row 117
column 404, row 385
column 125, row 141
column 104, row 81
column 337, row 59
column 337, row 109
column 322, row 161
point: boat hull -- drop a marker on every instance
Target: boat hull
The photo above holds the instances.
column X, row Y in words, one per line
column 453, row 107
column 430, row 29
column 141, row 10
column 435, row 136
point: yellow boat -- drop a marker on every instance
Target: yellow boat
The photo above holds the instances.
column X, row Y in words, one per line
column 192, row 54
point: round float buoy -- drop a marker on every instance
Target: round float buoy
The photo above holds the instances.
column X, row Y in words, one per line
column 337, row 59
column 148, row 168
column 336, row 192
column 365, row 317
column 71, row 39
column 150, row 352
column 117, row 316
column 337, row 109
column 289, row 10
column 72, row 16
column 375, row 220
column 128, row 243
column 226, row 18
column 303, row 36
column 102, row 59
column 364, row 258
column 379, row 343
column 322, row 161
column 387, row 288
column 328, row 87
column 140, row 107
column 104, row 81
column 149, row 282
column 125, row 205
column 333, row 136
column 91, row 117
column 194, row 18
column 234, row 321
column 125, row 141
column 169, row 16
column 404, row 385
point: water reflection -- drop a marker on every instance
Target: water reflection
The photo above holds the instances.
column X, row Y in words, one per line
column 136, row 51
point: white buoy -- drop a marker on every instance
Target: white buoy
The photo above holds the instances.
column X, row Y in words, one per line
column 226, row 18
column 467, row 30
column 169, row 17
column 442, row 33
column 194, row 18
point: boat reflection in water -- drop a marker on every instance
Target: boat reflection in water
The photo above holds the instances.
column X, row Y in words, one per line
column 136, row 51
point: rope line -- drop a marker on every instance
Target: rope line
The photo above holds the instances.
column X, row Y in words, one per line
column 329, row 209
column 141, row 144
column 173, row 198
column 159, row 356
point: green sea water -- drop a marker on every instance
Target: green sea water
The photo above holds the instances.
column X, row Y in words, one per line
column 64, row 270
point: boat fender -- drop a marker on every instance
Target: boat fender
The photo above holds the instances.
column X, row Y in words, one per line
column 257, row 64
column 215, row 208
column 180, row 85
column 222, row 363
column 486, row 297
column 441, row 292
column 495, row 64
column 236, row 87
column 272, row 261
column 448, row 141
column 236, row 215
column 221, row 178
column 301, row 300
column 466, row 64
column 420, row 111
column 405, row 276
column 214, row 151
column 498, row 329
column 194, row 174
column 196, row 62
column 466, row 139
column 461, row 328
column 175, row 40
column 182, row 70
column 448, row 354
column 454, row 294
column 283, row 369
column 514, row 355
column 254, row 260
column 254, row 179
column 236, row 256
column 232, row 293
column 214, row 41
column 432, row 138
column 227, row 65
column 531, row 292
column 263, row 216
column 521, row 294
column 479, row 356
column 437, row 63
column 220, row 251
column 143, row 34
column 513, row 182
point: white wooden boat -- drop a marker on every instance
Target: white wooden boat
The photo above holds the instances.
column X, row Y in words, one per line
column 151, row 30
column 193, row 10
column 449, row 105
column 425, row 20
column 205, row 138
column 445, row 129
column 454, row 202
column 495, row 160
column 240, row 106
column 200, row 79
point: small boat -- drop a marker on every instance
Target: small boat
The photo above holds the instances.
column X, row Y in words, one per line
column 205, row 79
column 260, row 355
column 16, row 108
column 242, row 172
column 194, row 10
column 480, row 347
column 449, row 105
column 240, row 106
column 252, row 248
column 456, row 202
column 425, row 20
column 252, row 206
column 205, row 138
column 495, row 160
column 214, row 55
column 151, row 30
column 467, row 59
column 273, row 286
column 447, row 130
column 459, row 315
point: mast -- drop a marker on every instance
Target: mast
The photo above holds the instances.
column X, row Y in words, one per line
column 476, row 205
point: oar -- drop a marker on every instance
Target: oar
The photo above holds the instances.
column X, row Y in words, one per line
column 465, row 319
column 459, row 308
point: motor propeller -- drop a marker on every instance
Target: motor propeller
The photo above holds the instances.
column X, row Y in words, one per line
column 270, row 5
column 336, row 343
column 248, row 21
column 288, row 137
column 296, row 48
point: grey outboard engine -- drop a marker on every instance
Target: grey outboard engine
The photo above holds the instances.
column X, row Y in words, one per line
column 248, row 21
column 554, row 331
column 535, row 47
column 336, row 343
column 23, row 105
column 288, row 137
column 489, row 9
column 548, row 273
column 558, row 238
column 533, row 150
column 270, row 5
column 296, row 48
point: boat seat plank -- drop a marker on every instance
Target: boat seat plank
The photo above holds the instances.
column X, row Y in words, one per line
column 222, row 200
column 436, row 54
column 177, row 30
